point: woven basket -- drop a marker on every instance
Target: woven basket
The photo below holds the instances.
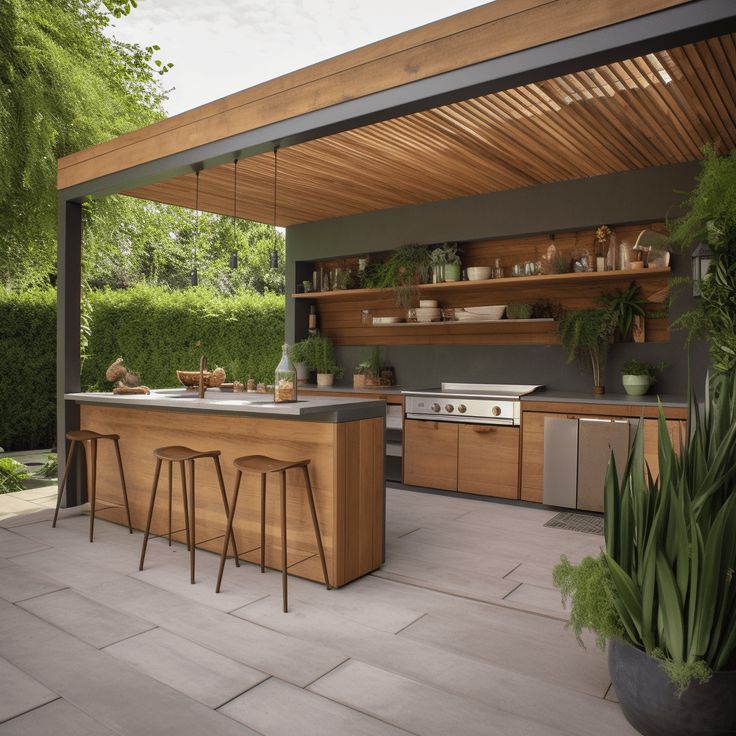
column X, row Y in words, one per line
column 212, row 379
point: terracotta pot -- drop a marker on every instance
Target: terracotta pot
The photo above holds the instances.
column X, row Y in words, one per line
column 325, row 379
column 358, row 380
column 650, row 702
column 599, row 390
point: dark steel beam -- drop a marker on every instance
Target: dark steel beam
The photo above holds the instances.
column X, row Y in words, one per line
column 68, row 354
column 675, row 26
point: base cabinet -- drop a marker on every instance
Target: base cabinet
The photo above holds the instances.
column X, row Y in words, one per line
column 430, row 454
column 488, row 460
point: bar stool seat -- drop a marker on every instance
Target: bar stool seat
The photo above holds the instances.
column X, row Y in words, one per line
column 80, row 435
column 88, row 439
column 181, row 455
column 178, row 453
column 264, row 465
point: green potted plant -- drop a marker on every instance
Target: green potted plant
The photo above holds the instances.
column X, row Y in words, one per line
column 629, row 311
column 584, row 335
column 663, row 591
column 299, row 354
column 319, row 355
column 406, row 268
column 637, row 376
column 445, row 261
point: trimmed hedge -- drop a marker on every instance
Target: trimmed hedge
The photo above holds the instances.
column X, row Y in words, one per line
column 156, row 330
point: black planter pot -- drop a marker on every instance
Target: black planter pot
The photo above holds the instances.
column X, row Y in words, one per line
column 650, row 703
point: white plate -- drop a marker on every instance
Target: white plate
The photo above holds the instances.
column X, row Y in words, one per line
column 386, row 320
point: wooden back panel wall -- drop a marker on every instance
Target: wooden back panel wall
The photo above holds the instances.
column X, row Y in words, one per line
column 340, row 311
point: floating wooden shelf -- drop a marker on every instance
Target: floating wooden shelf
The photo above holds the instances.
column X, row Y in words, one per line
column 523, row 282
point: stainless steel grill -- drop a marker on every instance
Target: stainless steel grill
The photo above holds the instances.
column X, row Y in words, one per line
column 476, row 403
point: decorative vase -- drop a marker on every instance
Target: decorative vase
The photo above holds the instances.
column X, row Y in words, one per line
column 636, row 385
column 325, row 379
column 302, row 372
column 650, row 703
column 452, row 272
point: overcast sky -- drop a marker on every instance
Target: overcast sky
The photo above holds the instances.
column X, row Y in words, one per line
column 222, row 46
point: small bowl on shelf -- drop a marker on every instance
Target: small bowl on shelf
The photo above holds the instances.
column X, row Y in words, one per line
column 478, row 273
column 428, row 314
column 494, row 311
column 386, row 320
column 428, row 303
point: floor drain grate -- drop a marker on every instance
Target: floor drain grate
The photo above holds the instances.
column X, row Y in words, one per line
column 577, row 523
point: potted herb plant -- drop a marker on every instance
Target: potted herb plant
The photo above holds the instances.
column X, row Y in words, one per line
column 319, row 356
column 637, row 376
column 445, row 261
column 584, row 336
column 406, row 268
column 299, row 353
column 663, row 592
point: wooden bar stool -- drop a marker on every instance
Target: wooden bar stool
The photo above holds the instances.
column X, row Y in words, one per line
column 265, row 465
column 88, row 440
column 178, row 454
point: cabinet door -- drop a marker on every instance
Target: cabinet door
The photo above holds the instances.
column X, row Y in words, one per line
column 430, row 454
column 675, row 428
column 488, row 460
column 532, row 456
column 597, row 439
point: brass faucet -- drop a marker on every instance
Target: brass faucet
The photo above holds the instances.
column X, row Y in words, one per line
column 202, row 369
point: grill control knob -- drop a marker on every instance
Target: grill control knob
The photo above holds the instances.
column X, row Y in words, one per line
column 435, row 407
column 462, row 408
column 496, row 411
column 449, row 408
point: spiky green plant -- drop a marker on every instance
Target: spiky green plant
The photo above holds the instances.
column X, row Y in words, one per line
column 670, row 554
column 12, row 475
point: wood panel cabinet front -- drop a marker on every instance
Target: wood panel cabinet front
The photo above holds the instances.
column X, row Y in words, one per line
column 676, row 429
column 488, row 460
column 430, row 454
column 532, row 456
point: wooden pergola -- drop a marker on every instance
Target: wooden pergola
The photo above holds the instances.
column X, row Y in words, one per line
column 514, row 93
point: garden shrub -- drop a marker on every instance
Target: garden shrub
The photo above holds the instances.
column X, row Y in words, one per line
column 155, row 329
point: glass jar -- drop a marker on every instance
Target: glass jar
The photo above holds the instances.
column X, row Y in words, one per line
column 284, row 385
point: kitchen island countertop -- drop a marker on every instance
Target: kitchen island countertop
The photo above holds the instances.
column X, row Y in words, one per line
column 315, row 408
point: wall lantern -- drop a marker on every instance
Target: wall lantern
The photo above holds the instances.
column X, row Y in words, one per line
column 702, row 259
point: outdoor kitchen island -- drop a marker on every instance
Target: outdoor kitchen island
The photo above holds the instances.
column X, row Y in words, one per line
column 343, row 438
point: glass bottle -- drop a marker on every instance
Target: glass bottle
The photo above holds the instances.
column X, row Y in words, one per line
column 312, row 329
column 284, row 385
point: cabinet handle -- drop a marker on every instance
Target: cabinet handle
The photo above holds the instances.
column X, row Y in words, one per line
column 484, row 430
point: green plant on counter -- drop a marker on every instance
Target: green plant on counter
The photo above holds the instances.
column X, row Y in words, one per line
column 711, row 216
column 403, row 271
column 50, row 468
column 317, row 353
column 584, row 334
column 670, row 554
column 624, row 306
column 635, row 367
column 12, row 475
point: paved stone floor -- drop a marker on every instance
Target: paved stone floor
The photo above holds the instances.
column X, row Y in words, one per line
column 460, row 632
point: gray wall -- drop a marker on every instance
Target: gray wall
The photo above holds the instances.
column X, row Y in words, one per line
column 641, row 196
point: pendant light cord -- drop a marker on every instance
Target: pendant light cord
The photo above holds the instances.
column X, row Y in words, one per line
column 196, row 207
column 275, row 181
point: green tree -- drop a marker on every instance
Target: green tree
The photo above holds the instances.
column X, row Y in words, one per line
column 64, row 85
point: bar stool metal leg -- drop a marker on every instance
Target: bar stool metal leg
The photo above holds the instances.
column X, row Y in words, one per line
column 150, row 511
column 122, row 483
column 192, row 527
column 171, row 493
column 229, row 531
column 263, row 522
column 185, row 503
column 283, row 542
column 230, row 534
column 313, row 510
column 62, row 486
column 91, row 451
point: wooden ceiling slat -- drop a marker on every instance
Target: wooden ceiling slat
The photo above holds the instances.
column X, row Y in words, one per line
column 646, row 111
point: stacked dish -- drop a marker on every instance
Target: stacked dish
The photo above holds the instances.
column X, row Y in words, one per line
column 480, row 314
column 428, row 314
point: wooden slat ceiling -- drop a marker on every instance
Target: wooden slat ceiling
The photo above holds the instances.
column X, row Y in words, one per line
column 646, row 111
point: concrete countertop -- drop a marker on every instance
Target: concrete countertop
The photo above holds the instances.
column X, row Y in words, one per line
column 314, row 409
column 572, row 397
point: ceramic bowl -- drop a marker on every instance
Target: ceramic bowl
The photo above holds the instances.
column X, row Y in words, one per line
column 428, row 303
column 428, row 314
column 479, row 273
column 490, row 312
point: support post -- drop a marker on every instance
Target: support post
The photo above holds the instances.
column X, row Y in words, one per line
column 68, row 349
